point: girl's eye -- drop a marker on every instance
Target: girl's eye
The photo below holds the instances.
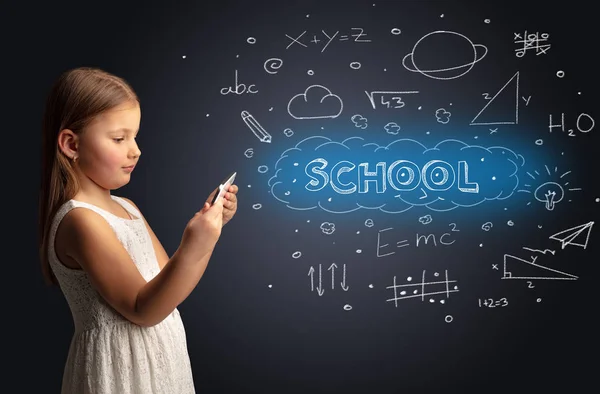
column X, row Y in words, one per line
column 118, row 139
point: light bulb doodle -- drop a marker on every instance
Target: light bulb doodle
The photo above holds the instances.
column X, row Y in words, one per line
column 550, row 193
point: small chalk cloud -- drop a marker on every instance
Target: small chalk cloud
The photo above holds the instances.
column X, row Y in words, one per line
column 359, row 121
column 317, row 102
column 392, row 128
column 425, row 219
column 327, row 228
column 442, row 116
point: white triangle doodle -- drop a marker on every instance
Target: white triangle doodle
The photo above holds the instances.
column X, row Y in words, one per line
column 568, row 236
column 545, row 272
column 516, row 121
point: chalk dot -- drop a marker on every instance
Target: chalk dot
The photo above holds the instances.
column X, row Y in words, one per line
column 486, row 21
column 419, row 107
column 347, row 307
column 483, row 159
column 184, row 56
column 539, row 142
column 358, row 232
column 510, row 223
column 442, row 301
column 441, row 16
column 436, row 274
column 329, row 199
column 257, row 206
column 448, row 319
column 296, row 164
column 409, row 278
column 395, row 31
column 415, row 292
column 385, row 69
column 370, row 286
column 207, row 115
column 562, row 153
column 493, row 178
column 296, row 254
column 403, row 292
column 271, row 109
column 560, row 73
column 427, row 132
column 579, row 93
column 431, row 300
column 310, row 72
column 308, row 221
column 476, row 137
column 263, row 169
column 270, row 286
column 249, row 185
column 307, row 15
column 481, row 245
column 355, row 65
column 237, row 56
column 539, row 300
column 455, row 287
column 358, row 250
column 296, row 230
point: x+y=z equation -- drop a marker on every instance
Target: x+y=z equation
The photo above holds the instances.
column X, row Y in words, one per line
column 328, row 38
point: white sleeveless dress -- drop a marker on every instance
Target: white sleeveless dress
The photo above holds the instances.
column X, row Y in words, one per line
column 108, row 353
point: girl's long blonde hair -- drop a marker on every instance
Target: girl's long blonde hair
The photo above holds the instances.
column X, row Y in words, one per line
column 75, row 99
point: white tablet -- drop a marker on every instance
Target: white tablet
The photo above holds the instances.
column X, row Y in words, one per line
column 223, row 187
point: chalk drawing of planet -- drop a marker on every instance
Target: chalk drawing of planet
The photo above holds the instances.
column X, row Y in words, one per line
column 444, row 55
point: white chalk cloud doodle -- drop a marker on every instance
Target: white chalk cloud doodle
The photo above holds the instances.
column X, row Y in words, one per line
column 317, row 102
column 422, row 58
column 327, row 228
column 392, row 128
column 425, row 219
column 442, row 116
column 359, row 121
column 392, row 178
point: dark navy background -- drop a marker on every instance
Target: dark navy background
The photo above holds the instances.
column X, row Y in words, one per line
column 245, row 336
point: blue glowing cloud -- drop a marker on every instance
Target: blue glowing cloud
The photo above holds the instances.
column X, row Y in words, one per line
column 341, row 177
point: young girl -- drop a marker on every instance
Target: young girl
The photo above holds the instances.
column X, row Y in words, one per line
column 121, row 286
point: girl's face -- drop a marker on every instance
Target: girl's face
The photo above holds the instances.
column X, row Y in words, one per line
column 108, row 147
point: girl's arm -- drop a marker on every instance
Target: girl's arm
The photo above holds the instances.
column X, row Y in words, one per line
column 113, row 273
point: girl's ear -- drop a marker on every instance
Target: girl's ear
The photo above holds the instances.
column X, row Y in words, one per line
column 67, row 143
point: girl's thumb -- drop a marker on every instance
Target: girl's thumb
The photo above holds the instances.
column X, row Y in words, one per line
column 203, row 209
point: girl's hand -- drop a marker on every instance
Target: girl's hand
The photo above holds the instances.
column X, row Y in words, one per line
column 229, row 202
column 202, row 231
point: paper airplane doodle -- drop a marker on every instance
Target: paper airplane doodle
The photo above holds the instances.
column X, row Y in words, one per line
column 524, row 269
column 576, row 236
